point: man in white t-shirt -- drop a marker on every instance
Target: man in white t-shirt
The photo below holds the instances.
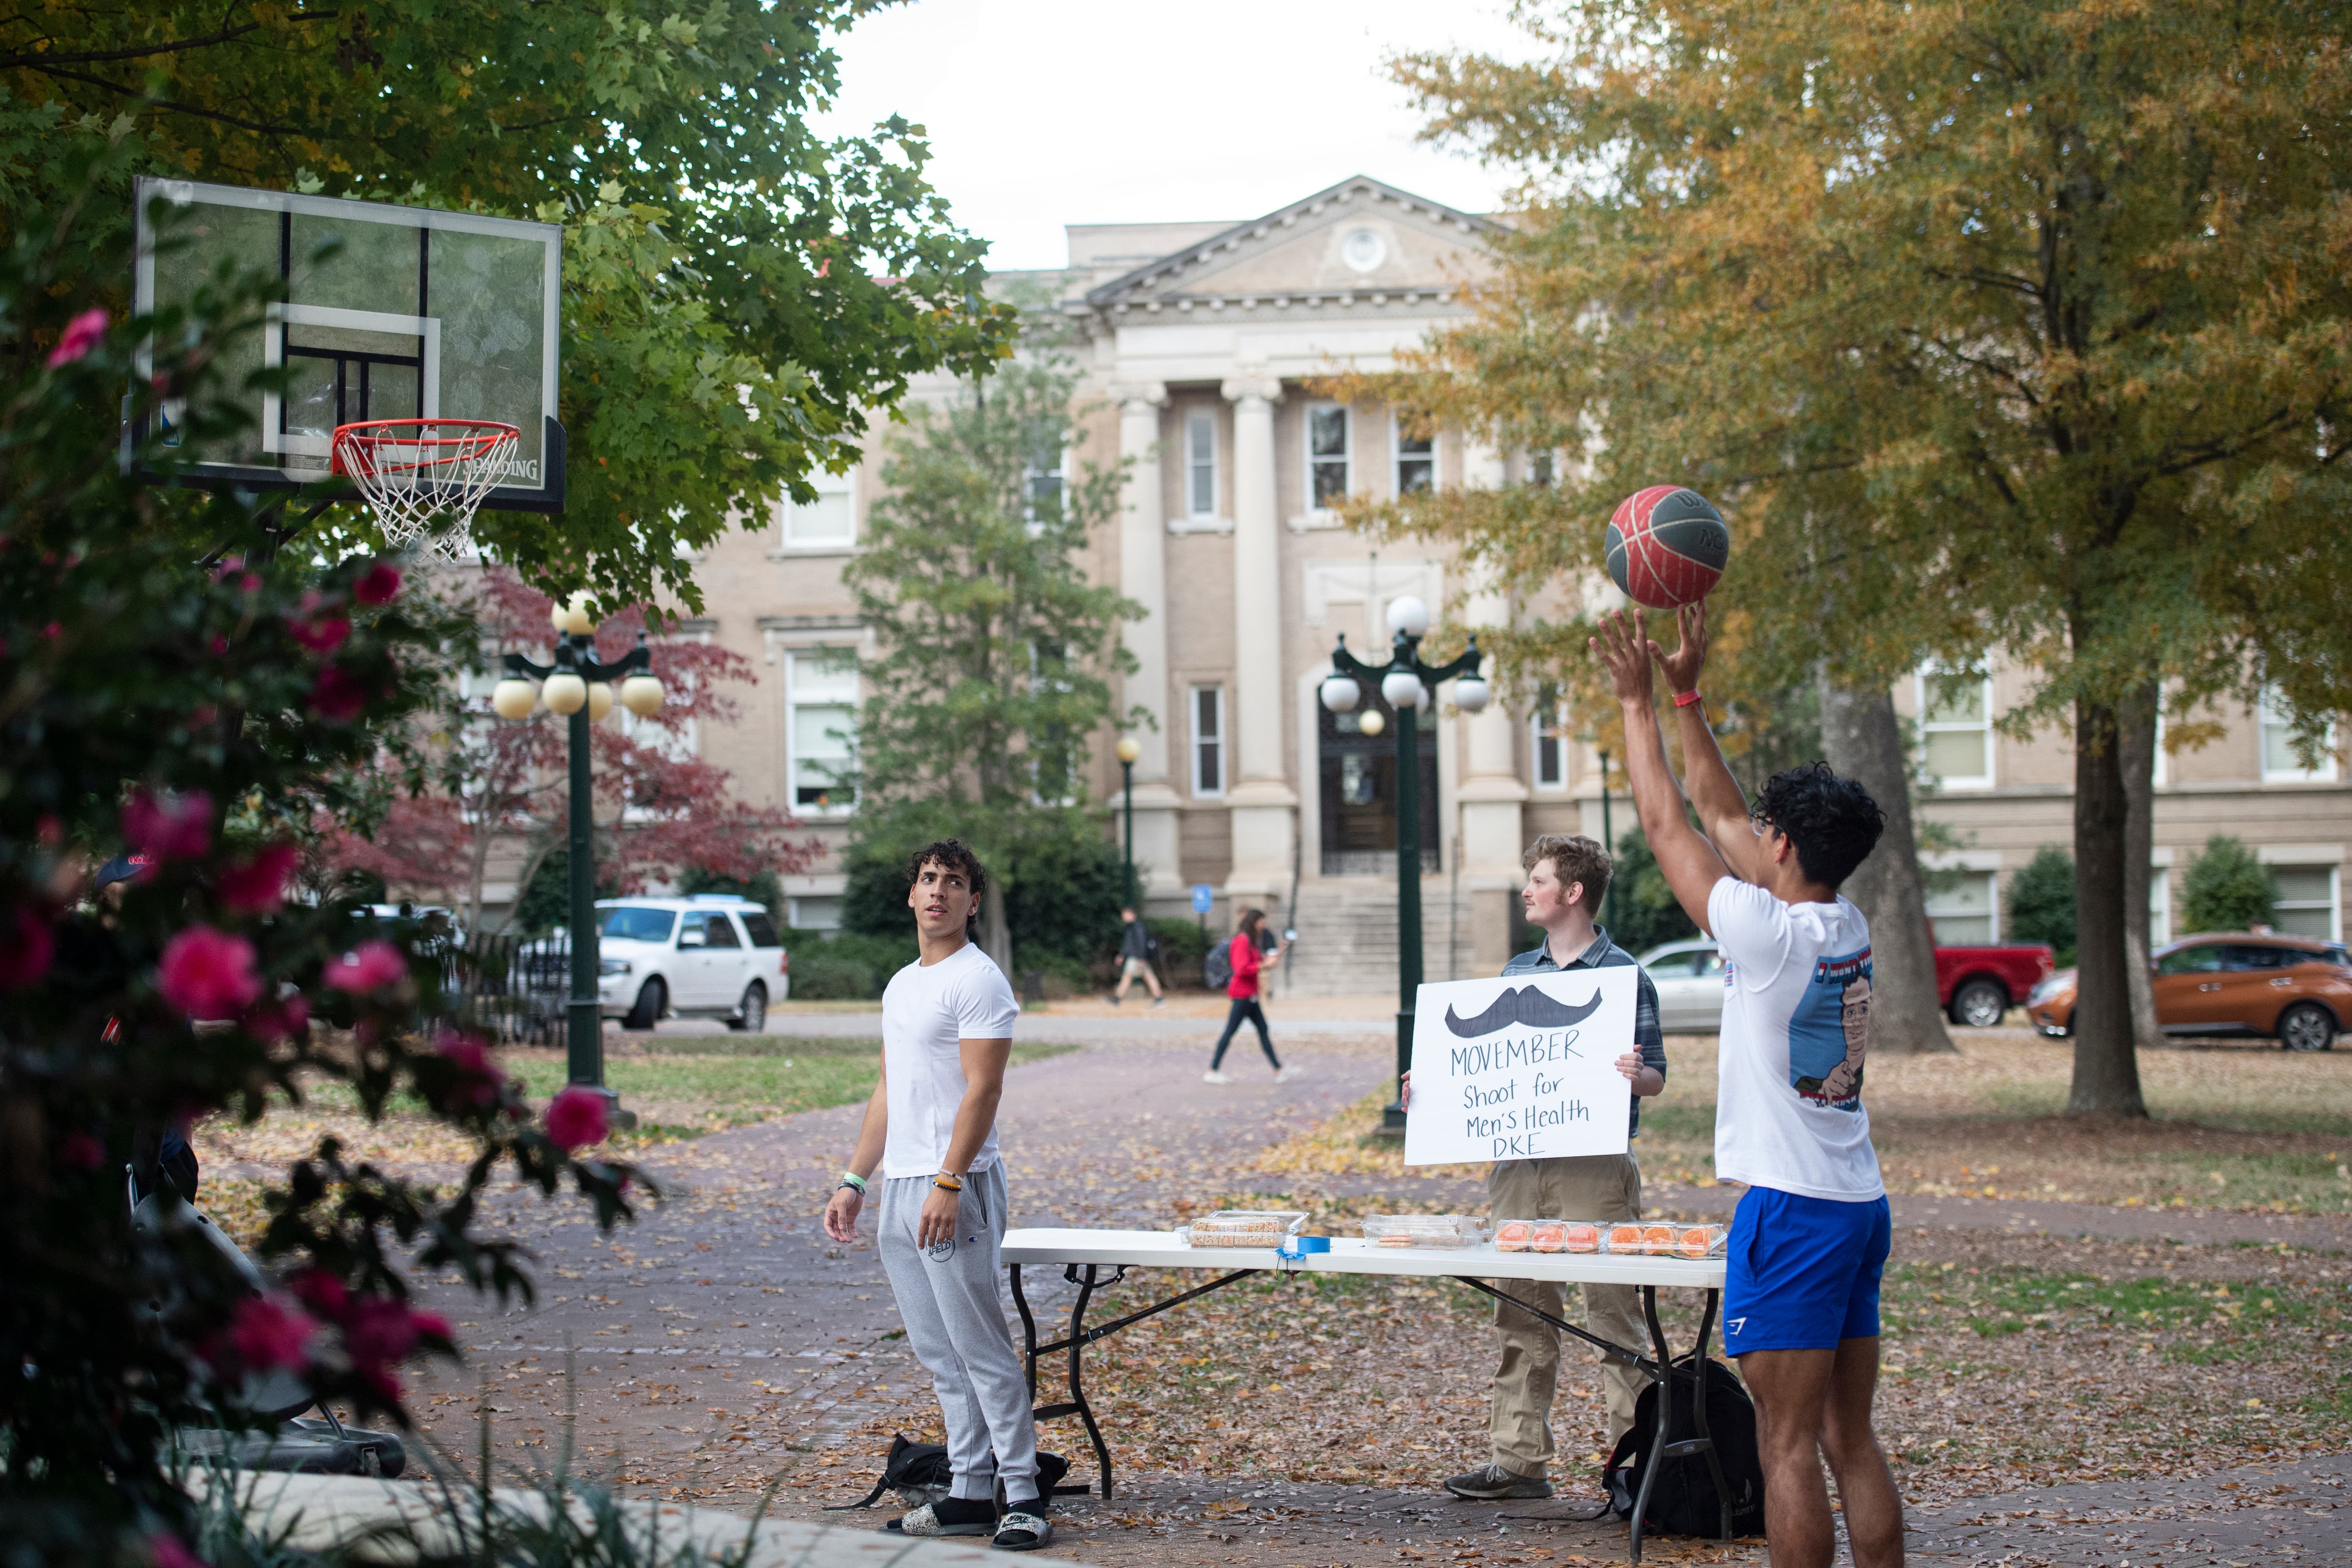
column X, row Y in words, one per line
column 1810, row 1238
column 947, row 1033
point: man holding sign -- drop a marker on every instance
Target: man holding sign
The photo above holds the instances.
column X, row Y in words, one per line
column 1523, row 1078
column 1810, row 1237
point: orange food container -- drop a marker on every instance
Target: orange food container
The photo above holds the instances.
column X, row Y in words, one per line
column 1582, row 1237
column 1511, row 1235
column 1548, row 1235
column 1624, row 1238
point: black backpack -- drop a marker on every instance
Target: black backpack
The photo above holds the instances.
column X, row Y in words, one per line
column 1683, row 1502
column 1217, row 968
column 920, row 1474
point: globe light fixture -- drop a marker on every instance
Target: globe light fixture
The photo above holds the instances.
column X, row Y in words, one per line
column 1402, row 688
column 1128, row 749
column 572, row 616
column 600, row 700
column 1372, row 723
column 1408, row 616
column 1340, row 694
column 642, row 695
column 1471, row 694
column 564, row 693
column 513, row 698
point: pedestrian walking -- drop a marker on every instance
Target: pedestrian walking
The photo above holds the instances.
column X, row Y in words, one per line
column 1137, row 948
column 931, row 1126
column 1249, row 957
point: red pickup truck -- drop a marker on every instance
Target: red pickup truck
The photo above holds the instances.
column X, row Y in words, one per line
column 1978, row 984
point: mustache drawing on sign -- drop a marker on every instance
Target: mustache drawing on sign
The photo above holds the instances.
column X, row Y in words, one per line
column 1524, row 1005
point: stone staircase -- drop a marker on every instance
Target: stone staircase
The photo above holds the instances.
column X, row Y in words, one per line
column 1348, row 937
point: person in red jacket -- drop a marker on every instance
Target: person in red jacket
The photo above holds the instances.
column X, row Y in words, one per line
column 1244, row 990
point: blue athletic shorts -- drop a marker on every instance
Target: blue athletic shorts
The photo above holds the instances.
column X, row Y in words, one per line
column 1801, row 1273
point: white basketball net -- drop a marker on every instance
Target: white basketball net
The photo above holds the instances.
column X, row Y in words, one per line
column 425, row 479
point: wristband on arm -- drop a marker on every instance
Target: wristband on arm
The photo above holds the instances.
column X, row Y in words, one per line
column 946, row 1183
column 1684, row 698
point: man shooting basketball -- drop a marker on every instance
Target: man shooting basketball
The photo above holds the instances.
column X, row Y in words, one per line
column 1810, row 1237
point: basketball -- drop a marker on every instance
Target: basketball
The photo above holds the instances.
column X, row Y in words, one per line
column 1666, row 546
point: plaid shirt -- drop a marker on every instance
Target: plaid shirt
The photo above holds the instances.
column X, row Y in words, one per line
column 1648, row 1038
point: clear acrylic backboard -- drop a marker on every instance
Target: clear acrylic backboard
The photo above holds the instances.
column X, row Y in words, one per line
column 419, row 314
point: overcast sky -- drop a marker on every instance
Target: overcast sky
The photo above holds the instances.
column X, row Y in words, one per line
column 1045, row 113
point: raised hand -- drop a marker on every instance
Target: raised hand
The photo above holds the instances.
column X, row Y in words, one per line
column 1624, row 646
column 1680, row 667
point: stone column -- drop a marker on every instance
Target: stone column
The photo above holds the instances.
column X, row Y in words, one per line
column 1263, row 803
column 1142, row 576
column 1492, row 793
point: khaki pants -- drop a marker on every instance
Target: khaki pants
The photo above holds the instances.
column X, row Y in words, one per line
column 1602, row 1187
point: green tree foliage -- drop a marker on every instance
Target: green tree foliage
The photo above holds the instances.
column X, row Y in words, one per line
column 2042, row 901
column 2227, row 889
column 1062, row 878
column 995, row 648
column 737, row 288
column 1996, row 328
column 208, row 720
column 1647, row 912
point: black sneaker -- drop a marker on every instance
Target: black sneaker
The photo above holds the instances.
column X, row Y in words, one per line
column 1491, row 1483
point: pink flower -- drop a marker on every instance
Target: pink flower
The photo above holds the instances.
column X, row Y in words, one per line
column 289, row 1019
column 575, row 1117
column 82, row 335
column 169, row 826
column 379, row 584
column 322, row 633
column 82, row 1151
column 257, row 885
column 168, row 1552
column 220, row 644
column 476, row 1080
column 337, row 696
column 378, row 1333
column 208, row 974
column 321, row 1293
column 271, row 1332
column 26, row 956
column 370, row 967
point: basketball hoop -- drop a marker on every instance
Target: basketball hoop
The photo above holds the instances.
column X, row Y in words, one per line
column 425, row 479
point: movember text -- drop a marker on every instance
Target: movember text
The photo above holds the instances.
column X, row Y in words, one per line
column 1516, row 1131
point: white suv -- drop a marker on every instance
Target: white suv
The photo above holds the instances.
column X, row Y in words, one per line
column 714, row 955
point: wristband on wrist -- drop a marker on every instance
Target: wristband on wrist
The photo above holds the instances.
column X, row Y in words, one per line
column 946, row 1183
column 1684, row 698
column 852, row 1179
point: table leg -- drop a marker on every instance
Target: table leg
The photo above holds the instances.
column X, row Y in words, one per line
column 1085, row 1411
column 1028, row 1332
column 1714, row 1460
column 1666, row 1413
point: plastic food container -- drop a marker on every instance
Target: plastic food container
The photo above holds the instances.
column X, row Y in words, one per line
column 1243, row 1228
column 1624, row 1239
column 1700, row 1240
column 1424, row 1230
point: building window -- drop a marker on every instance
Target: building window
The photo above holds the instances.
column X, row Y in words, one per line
column 1041, row 487
column 1963, row 911
column 830, row 522
column 1201, row 464
column 1416, row 462
column 821, row 730
column 1956, row 728
column 2305, row 905
column 1549, row 729
column 1327, row 455
column 814, row 914
column 1540, row 468
column 2281, row 762
column 2159, row 906
column 1208, row 740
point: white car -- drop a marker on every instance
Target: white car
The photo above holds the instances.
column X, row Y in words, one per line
column 714, row 955
column 1689, row 978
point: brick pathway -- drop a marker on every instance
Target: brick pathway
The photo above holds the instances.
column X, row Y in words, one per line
column 723, row 1338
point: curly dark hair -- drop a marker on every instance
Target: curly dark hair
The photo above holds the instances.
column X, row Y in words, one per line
column 952, row 854
column 1832, row 822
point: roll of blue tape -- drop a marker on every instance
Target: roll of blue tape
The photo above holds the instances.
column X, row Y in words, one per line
column 1300, row 1245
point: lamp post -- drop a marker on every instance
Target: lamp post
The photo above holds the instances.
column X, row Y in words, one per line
column 578, row 688
column 1608, row 844
column 1128, row 749
column 1406, row 683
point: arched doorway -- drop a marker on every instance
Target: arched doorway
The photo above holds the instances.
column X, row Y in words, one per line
column 1359, row 791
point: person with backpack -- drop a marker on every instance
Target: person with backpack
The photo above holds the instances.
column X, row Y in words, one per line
column 1137, row 948
column 1241, row 961
column 931, row 1126
column 1810, row 1236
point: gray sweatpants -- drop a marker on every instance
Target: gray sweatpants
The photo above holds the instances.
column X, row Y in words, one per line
column 946, row 1298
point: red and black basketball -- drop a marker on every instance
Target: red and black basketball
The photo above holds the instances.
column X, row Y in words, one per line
column 1666, row 546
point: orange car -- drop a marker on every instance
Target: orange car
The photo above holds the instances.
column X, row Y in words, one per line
column 2293, row 989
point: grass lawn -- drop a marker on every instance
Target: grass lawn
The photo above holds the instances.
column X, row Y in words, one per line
column 2231, row 1126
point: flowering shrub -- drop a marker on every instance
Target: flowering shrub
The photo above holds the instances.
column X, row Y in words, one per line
column 179, row 686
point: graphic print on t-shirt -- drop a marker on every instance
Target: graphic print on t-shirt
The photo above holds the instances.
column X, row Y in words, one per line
column 1830, row 1031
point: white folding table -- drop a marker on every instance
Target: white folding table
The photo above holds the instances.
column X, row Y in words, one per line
column 1085, row 1256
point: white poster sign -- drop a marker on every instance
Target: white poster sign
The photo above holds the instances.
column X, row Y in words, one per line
column 1521, row 1068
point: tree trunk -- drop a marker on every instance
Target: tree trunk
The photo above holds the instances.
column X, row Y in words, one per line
column 996, row 932
column 1863, row 742
column 2136, row 741
column 2106, row 1068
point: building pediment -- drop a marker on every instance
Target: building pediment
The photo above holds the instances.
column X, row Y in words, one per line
column 1361, row 240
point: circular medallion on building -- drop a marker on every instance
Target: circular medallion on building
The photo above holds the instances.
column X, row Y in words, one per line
column 1363, row 249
